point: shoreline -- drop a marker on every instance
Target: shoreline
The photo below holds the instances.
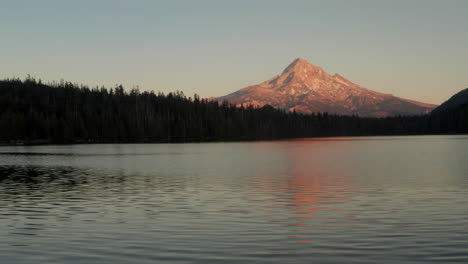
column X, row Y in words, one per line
column 92, row 142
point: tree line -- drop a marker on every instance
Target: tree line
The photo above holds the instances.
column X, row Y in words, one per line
column 62, row 112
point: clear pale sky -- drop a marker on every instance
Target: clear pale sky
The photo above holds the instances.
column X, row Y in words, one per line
column 413, row 49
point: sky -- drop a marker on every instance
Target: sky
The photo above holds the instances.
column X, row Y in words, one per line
column 416, row 49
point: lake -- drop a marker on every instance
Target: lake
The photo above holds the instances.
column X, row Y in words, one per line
column 327, row 200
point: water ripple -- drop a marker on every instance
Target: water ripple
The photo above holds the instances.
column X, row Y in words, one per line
column 277, row 202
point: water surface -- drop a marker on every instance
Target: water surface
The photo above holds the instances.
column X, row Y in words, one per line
column 332, row 200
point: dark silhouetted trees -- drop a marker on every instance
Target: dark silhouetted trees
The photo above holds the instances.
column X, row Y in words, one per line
column 33, row 112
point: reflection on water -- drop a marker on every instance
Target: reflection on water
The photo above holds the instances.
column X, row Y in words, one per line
column 340, row 200
column 310, row 195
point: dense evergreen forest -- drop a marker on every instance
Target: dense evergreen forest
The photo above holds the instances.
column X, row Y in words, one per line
column 33, row 112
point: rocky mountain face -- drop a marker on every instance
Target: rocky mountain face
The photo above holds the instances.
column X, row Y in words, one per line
column 307, row 88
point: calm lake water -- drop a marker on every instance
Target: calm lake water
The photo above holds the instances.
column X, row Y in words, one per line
column 332, row 200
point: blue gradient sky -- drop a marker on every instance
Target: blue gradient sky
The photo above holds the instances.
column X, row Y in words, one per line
column 413, row 49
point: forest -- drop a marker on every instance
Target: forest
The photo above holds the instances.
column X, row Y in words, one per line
column 32, row 112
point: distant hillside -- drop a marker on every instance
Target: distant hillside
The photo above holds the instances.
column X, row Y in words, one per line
column 306, row 88
column 456, row 101
column 452, row 116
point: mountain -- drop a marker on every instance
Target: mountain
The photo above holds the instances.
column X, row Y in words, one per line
column 307, row 88
column 456, row 101
column 451, row 117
